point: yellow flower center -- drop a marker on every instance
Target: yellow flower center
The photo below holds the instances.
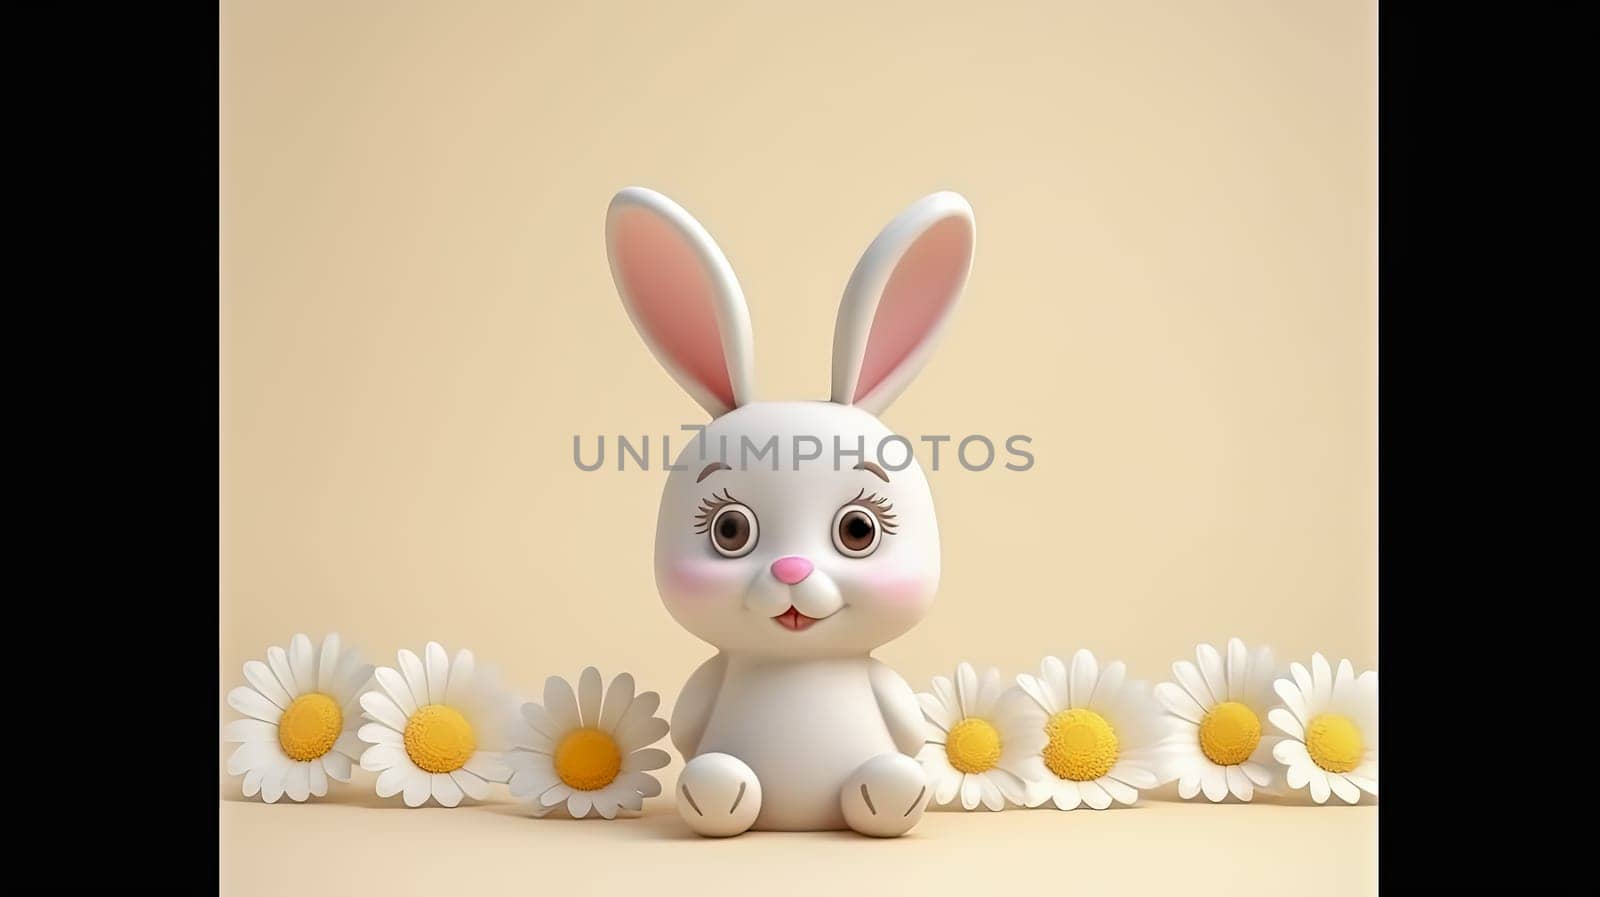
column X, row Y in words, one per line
column 588, row 759
column 439, row 738
column 1082, row 745
column 973, row 745
column 1334, row 742
column 1229, row 733
column 310, row 726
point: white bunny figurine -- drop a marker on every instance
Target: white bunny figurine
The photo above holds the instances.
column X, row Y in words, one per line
column 795, row 571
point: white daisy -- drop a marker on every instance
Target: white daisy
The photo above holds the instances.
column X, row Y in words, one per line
column 437, row 728
column 983, row 740
column 1216, row 709
column 590, row 751
column 301, row 730
column 1332, row 724
column 1101, row 731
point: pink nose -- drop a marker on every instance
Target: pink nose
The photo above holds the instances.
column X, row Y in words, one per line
column 791, row 570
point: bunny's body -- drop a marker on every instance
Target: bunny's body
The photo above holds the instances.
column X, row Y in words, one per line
column 795, row 537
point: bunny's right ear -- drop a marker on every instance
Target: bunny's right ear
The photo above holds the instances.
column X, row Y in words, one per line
column 682, row 297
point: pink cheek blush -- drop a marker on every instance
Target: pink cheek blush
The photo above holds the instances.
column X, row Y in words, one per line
column 893, row 589
column 697, row 578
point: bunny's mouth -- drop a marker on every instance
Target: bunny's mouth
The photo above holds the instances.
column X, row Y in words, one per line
column 795, row 621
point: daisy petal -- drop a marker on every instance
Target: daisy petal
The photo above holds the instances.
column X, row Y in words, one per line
column 445, row 790
column 647, row 759
column 383, row 756
column 1298, row 775
column 252, row 754
column 328, row 663
column 538, row 720
column 1238, row 665
column 1134, row 776
column 1302, row 681
column 971, row 787
column 578, row 804
column 459, row 688
column 436, row 666
column 419, row 786
column 635, row 722
column 249, row 702
column 635, row 734
column 378, row 733
column 618, row 697
column 392, row 781
column 1179, row 703
column 1291, row 753
column 318, row 777
column 1189, row 785
column 590, row 691
column 1094, row 795
column 989, row 689
column 1108, row 691
column 947, row 787
column 416, row 676
column 1035, row 689
column 384, row 710
column 1067, row 795
column 278, row 660
column 1238, row 784
column 261, row 678
column 1214, row 782
column 394, row 685
column 562, row 704
column 1319, row 786
column 934, row 710
column 641, row 783
column 990, row 794
column 1260, row 775
column 488, row 766
column 337, row 766
column 1292, row 698
column 1365, row 784
column 252, row 782
column 1343, row 787
column 1344, row 680
column 272, row 783
column 1054, row 674
column 945, row 691
column 1286, row 721
column 1189, row 677
column 1212, row 671
column 1321, row 680
column 1258, row 680
column 470, row 785
column 303, row 663
column 249, row 730
column 297, row 781
column 1085, row 674
column 1119, row 792
column 967, row 694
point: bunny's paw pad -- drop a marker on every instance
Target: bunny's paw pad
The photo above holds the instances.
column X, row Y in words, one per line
column 718, row 795
column 885, row 797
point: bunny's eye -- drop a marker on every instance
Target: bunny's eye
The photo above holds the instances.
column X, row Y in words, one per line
column 859, row 526
column 856, row 532
column 734, row 531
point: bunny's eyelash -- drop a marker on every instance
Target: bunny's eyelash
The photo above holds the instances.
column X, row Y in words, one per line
column 709, row 508
column 880, row 506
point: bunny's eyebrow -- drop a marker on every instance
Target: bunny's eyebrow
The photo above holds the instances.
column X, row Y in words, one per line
column 873, row 469
column 713, row 467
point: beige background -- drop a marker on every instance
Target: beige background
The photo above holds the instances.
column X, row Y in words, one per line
column 1174, row 295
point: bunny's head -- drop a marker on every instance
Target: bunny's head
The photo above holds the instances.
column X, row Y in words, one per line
column 798, row 529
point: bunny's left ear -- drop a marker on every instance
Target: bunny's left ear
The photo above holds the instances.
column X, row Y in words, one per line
column 899, row 299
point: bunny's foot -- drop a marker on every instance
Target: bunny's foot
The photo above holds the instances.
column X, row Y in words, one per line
column 718, row 795
column 885, row 796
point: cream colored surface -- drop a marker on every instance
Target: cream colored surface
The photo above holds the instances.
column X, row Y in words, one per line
column 1155, row 848
column 1174, row 296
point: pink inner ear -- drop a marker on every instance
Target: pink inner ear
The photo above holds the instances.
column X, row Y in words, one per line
column 673, row 297
column 919, row 293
